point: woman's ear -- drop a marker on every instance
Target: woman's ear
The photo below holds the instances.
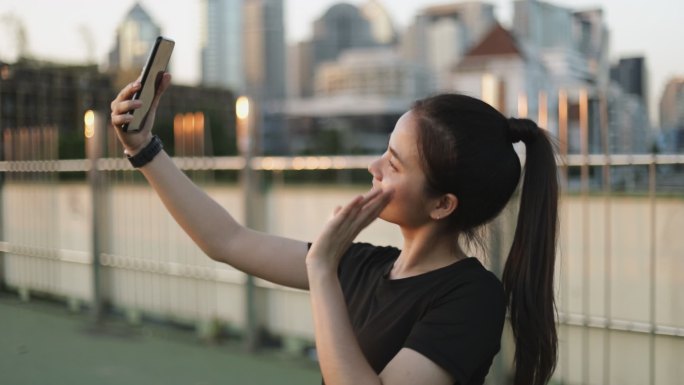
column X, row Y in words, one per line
column 444, row 206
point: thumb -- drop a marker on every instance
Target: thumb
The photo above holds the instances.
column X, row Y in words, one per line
column 164, row 83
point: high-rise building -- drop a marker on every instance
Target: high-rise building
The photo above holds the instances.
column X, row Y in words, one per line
column 564, row 39
column 222, row 60
column 630, row 74
column 243, row 46
column 300, row 79
column 264, row 48
column 243, row 49
column 441, row 35
column 672, row 105
column 543, row 25
column 573, row 46
column 134, row 39
column 592, row 39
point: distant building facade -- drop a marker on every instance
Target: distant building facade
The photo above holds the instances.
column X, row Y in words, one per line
column 40, row 94
column 381, row 23
column 36, row 94
column 501, row 72
column 672, row 116
column 672, row 104
column 343, row 26
column 372, row 72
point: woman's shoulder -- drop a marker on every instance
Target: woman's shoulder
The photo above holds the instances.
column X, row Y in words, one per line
column 471, row 278
column 362, row 250
column 366, row 258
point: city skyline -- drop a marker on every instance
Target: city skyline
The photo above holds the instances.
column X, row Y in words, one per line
column 88, row 34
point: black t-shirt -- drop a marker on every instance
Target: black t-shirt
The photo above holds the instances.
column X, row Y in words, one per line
column 453, row 315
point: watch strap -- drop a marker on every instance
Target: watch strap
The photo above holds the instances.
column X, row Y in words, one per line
column 148, row 153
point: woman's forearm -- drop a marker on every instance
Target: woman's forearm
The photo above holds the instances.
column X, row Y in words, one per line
column 213, row 229
column 341, row 359
column 202, row 218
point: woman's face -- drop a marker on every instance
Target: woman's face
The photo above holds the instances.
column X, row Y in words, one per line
column 399, row 169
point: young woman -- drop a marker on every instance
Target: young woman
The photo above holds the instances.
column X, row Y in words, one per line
column 425, row 313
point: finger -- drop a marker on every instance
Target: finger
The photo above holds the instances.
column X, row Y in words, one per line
column 125, row 107
column 372, row 209
column 337, row 210
column 378, row 196
column 164, row 84
column 372, row 194
column 349, row 207
column 118, row 120
column 128, row 91
column 357, row 204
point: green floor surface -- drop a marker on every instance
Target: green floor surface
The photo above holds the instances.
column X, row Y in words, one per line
column 44, row 343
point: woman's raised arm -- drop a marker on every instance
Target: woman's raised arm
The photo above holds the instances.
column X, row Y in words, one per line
column 211, row 227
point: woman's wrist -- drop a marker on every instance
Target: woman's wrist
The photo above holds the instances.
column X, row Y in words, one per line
column 133, row 151
column 147, row 153
column 322, row 269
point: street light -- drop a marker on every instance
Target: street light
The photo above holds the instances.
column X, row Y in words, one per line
column 242, row 106
column 89, row 120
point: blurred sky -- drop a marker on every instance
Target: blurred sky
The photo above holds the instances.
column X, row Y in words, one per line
column 60, row 29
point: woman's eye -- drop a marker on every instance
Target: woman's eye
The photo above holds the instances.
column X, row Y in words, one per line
column 392, row 165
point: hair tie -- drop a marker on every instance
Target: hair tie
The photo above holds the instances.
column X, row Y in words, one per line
column 524, row 130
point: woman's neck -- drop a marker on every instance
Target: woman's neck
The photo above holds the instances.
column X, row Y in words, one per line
column 424, row 250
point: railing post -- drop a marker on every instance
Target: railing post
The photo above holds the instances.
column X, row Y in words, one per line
column 248, row 137
column 652, row 256
column 608, row 239
column 4, row 134
column 94, row 138
column 586, row 225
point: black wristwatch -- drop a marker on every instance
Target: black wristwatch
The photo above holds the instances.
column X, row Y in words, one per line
column 148, row 153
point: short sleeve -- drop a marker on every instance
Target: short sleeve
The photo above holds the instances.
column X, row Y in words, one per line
column 362, row 260
column 461, row 330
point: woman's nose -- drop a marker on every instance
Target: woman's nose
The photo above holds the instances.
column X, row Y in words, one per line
column 374, row 169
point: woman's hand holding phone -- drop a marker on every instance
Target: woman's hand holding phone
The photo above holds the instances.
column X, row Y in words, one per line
column 122, row 106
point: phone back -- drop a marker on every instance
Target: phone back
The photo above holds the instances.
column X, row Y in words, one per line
column 151, row 75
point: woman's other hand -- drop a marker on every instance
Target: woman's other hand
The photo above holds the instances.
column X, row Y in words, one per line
column 341, row 230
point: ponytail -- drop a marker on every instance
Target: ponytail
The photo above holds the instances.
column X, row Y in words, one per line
column 529, row 270
column 465, row 147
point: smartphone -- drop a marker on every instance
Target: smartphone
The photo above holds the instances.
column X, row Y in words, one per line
column 151, row 76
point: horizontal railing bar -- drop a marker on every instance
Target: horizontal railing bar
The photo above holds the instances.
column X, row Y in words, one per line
column 573, row 319
column 208, row 273
column 282, row 163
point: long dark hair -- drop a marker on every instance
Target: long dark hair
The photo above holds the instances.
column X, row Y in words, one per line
column 466, row 149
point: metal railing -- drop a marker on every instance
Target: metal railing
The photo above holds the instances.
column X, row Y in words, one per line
column 151, row 268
